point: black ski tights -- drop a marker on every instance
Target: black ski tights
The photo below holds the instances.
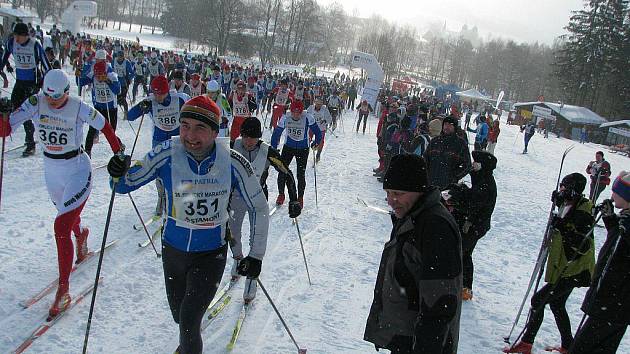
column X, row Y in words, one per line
column 469, row 241
column 363, row 116
column 111, row 114
column 556, row 296
column 301, row 158
column 191, row 281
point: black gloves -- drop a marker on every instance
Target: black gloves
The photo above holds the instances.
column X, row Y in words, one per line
column 606, row 208
column 314, row 145
column 119, row 165
column 295, row 209
column 557, row 222
column 249, row 267
column 9, row 69
column 5, row 105
column 557, row 198
column 145, row 104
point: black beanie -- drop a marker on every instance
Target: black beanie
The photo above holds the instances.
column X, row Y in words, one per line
column 451, row 120
column 251, row 128
column 406, row 172
column 487, row 160
column 20, row 29
column 575, row 182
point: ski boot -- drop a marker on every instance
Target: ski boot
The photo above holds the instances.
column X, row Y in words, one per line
column 249, row 293
column 234, row 272
column 61, row 303
column 81, row 246
column 280, row 199
column 29, row 151
column 467, row 294
column 556, row 348
column 520, row 347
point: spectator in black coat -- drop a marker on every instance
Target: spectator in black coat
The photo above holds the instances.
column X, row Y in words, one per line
column 607, row 302
column 447, row 156
column 417, row 303
column 473, row 209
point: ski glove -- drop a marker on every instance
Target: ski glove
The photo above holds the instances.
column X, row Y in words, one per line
column 9, row 69
column 557, row 198
column 118, row 165
column 314, row 145
column 295, row 209
column 249, row 267
column 606, row 208
column 5, row 105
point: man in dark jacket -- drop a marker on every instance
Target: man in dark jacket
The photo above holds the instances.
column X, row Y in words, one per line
column 447, row 156
column 473, row 210
column 570, row 262
column 417, row 296
column 607, row 302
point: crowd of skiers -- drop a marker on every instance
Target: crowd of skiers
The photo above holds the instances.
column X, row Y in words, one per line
column 424, row 150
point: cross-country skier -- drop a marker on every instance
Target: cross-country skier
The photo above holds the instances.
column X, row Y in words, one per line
column 282, row 97
column 200, row 173
column 242, row 104
column 606, row 303
column 105, row 88
column 322, row 116
column 214, row 92
column 28, row 54
column 178, row 84
column 126, row 73
column 67, row 170
column 570, row 262
column 364, row 110
column 297, row 123
column 528, row 129
column 334, row 106
column 260, row 155
column 163, row 106
column 142, row 72
column 155, row 66
column 197, row 88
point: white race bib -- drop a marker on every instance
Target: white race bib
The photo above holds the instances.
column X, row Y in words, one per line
column 57, row 129
column 201, row 201
column 296, row 129
column 102, row 92
column 166, row 117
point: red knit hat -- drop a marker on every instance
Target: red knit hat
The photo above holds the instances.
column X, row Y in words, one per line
column 297, row 106
column 100, row 68
column 202, row 109
column 159, row 85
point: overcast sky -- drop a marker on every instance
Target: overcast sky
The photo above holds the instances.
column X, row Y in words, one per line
column 521, row 20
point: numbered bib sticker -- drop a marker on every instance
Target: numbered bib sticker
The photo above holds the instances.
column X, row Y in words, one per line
column 295, row 133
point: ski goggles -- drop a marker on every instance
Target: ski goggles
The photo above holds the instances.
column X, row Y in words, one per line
column 56, row 95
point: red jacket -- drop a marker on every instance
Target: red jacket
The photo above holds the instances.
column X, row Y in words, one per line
column 603, row 169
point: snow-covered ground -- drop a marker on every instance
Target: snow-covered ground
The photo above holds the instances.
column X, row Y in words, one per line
column 343, row 242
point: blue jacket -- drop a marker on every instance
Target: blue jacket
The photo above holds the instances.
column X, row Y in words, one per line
column 39, row 56
column 112, row 83
column 157, row 164
column 146, row 107
column 482, row 132
column 309, row 123
column 130, row 73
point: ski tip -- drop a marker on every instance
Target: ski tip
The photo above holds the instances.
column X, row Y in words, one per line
column 229, row 347
column 301, row 351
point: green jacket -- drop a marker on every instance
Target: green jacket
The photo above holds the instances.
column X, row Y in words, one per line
column 570, row 256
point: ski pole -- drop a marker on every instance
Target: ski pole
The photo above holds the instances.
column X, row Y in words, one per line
column 300, row 350
column 100, row 263
column 4, row 140
column 315, row 176
column 297, row 226
column 144, row 225
column 135, row 141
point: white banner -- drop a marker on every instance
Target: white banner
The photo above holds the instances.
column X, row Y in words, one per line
column 375, row 75
column 622, row 132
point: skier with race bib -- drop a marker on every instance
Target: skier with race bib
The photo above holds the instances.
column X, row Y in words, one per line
column 200, row 174
column 297, row 123
column 105, row 88
column 322, row 116
column 126, row 73
column 281, row 96
column 163, row 106
column 214, row 92
column 261, row 156
column 28, row 54
column 242, row 104
column 59, row 119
